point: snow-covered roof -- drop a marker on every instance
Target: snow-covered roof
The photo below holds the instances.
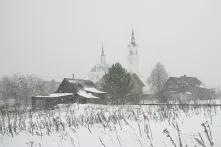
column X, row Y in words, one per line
column 93, row 90
column 86, row 95
column 72, row 85
column 202, row 85
column 191, row 81
column 80, row 82
column 56, row 95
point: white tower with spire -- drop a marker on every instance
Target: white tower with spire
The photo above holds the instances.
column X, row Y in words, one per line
column 133, row 57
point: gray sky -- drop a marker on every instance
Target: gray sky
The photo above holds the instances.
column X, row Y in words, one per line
column 55, row 38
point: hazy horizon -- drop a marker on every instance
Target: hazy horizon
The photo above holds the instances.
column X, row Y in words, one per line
column 54, row 39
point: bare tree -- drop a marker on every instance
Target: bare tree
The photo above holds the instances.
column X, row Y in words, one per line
column 157, row 78
column 22, row 87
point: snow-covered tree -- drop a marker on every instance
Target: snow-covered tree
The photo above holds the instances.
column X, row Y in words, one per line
column 22, row 87
column 157, row 78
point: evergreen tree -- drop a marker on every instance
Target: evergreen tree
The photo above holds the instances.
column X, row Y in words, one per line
column 117, row 82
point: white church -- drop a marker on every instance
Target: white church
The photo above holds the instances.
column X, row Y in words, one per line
column 97, row 72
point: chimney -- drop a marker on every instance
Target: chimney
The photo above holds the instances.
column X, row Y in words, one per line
column 73, row 76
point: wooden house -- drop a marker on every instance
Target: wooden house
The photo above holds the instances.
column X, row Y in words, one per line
column 136, row 92
column 70, row 91
column 185, row 88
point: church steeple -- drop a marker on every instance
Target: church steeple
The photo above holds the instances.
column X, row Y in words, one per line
column 102, row 55
column 133, row 57
column 132, row 37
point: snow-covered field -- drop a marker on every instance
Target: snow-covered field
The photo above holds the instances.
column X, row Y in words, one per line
column 112, row 126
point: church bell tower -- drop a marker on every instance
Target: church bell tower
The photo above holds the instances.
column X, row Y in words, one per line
column 133, row 58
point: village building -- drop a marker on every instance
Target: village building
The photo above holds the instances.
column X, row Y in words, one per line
column 136, row 92
column 71, row 90
column 185, row 89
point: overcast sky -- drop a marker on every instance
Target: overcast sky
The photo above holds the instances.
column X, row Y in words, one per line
column 55, row 38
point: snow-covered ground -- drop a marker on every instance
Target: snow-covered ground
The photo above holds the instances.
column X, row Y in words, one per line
column 112, row 126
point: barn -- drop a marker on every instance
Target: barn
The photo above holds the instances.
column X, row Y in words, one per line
column 70, row 90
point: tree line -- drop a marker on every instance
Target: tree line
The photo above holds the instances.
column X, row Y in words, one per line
column 21, row 88
column 117, row 82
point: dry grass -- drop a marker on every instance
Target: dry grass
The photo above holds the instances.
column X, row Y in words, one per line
column 109, row 118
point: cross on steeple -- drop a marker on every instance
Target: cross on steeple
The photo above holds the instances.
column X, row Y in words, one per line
column 102, row 50
column 102, row 55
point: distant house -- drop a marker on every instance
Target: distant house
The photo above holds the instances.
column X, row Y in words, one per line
column 137, row 85
column 136, row 92
column 186, row 88
column 182, row 83
column 70, row 91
